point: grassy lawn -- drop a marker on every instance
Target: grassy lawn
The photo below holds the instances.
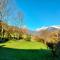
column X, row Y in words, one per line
column 24, row 50
column 24, row 45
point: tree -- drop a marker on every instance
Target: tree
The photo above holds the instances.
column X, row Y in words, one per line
column 6, row 8
column 3, row 10
column 21, row 22
column 26, row 37
column 20, row 19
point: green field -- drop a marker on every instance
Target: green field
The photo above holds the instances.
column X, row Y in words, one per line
column 24, row 50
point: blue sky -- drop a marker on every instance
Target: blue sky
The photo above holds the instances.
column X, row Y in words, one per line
column 38, row 13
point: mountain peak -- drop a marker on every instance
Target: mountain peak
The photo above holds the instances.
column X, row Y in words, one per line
column 48, row 28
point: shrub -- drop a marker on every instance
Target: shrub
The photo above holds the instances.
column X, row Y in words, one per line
column 27, row 37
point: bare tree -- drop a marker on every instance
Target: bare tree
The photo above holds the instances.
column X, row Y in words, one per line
column 3, row 6
column 20, row 19
column 5, row 12
column 20, row 22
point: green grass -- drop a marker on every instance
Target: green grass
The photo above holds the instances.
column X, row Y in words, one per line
column 24, row 45
column 24, row 50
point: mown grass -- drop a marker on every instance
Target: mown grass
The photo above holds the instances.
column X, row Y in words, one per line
column 21, row 44
column 24, row 50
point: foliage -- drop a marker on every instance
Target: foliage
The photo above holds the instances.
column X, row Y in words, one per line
column 26, row 37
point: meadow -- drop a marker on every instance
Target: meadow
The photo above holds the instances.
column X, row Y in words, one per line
column 24, row 50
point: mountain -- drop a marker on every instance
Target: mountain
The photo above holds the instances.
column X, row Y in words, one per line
column 49, row 28
column 49, row 34
column 26, row 30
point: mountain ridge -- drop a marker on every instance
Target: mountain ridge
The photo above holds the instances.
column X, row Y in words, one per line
column 48, row 28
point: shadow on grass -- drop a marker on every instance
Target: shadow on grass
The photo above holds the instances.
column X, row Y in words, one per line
column 3, row 40
column 24, row 54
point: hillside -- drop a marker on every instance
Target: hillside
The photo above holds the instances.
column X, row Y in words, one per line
column 48, row 34
column 14, row 39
